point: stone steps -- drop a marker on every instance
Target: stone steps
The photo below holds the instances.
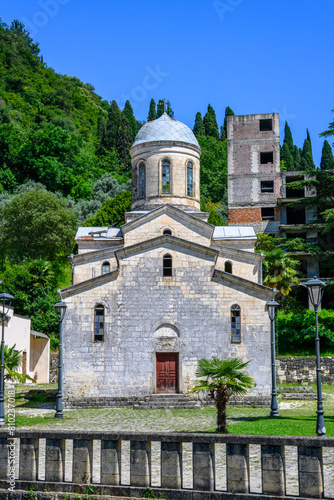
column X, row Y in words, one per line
column 298, row 392
column 168, row 401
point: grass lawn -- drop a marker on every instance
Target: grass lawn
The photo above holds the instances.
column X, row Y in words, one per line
column 296, row 418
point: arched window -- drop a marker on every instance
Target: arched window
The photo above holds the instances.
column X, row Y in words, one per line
column 228, row 267
column 105, row 268
column 165, row 176
column 98, row 323
column 142, row 180
column 235, row 324
column 167, row 265
column 167, row 231
column 190, row 179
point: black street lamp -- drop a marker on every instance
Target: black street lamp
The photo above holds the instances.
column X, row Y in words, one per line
column 60, row 310
column 6, row 301
column 272, row 306
column 315, row 289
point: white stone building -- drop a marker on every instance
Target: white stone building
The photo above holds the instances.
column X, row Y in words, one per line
column 151, row 298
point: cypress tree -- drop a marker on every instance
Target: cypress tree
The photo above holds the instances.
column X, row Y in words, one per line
column 210, row 123
column 198, row 125
column 287, row 158
column 129, row 116
column 307, row 157
column 296, row 158
column 152, row 113
column 112, row 126
column 288, row 138
column 123, row 142
column 161, row 108
column 228, row 112
column 169, row 110
column 327, row 159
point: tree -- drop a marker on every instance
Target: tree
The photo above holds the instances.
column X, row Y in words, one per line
column 287, row 158
column 213, row 168
column 37, row 224
column 152, row 112
column 210, row 123
column 228, row 112
column 131, row 120
column 13, row 361
column 288, row 138
column 222, row 378
column 112, row 211
column 112, row 126
column 198, row 125
column 161, row 108
column 279, row 270
column 327, row 159
column 307, row 162
column 296, row 158
column 330, row 131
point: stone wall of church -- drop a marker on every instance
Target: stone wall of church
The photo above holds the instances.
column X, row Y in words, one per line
column 141, row 306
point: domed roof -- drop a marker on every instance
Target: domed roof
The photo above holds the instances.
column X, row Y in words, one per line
column 165, row 129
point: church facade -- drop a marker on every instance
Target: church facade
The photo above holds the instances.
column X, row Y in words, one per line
column 151, row 298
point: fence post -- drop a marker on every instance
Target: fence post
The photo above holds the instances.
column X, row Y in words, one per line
column 110, row 462
column 140, row 463
column 4, row 443
column 310, row 472
column 55, row 460
column 237, row 468
column 171, row 465
column 273, row 470
column 203, row 466
column 82, row 460
column 28, row 465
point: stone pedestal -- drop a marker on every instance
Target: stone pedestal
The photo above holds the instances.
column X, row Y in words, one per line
column 55, row 460
column 28, row 465
column 4, row 457
column 273, row 470
column 310, row 472
column 82, row 460
column 171, row 465
column 140, row 463
column 203, row 466
column 237, row 468
column 110, row 462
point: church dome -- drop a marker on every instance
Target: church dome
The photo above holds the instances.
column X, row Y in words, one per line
column 165, row 129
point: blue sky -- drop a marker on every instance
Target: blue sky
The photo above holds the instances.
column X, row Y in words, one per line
column 256, row 56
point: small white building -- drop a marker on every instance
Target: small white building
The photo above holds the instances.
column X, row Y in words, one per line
column 35, row 346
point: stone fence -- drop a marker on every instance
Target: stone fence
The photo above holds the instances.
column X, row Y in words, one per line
column 303, row 369
column 272, row 465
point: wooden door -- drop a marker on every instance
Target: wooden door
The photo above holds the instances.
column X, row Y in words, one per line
column 167, row 372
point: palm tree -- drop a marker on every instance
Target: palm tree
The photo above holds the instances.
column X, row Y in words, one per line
column 12, row 361
column 223, row 378
column 279, row 270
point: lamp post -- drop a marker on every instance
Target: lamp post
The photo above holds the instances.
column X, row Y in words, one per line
column 6, row 301
column 272, row 308
column 315, row 289
column 60, row 310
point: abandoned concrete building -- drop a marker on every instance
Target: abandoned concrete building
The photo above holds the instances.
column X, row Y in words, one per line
column 151, row 298
column 259, row 194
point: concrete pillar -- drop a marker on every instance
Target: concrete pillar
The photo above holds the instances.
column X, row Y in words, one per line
column 55, row 460
column 171, row 465
column 273, row 470
column 237, row 468
column 110, row 462
column 204, row 466
column 4, row 457
column 310, row 472
column 82, row 461
column 28, row 466
column 140, row 463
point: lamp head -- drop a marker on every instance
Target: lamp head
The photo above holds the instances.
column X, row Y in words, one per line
column 315, row 289
column 6, row 301
column 272, row 306
column 60, row 310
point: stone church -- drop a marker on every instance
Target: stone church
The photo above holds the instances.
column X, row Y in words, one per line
column 152, row 297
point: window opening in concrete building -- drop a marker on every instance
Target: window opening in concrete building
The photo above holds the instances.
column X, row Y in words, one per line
column 99, row 323
column 267, row 213
column 105, row 268
column 167, row 265
column 165, row 176
column 293, row 192
column 228, row 267
column 167, row 231
column 190, row 182
column 266, row 125
column 235, row 324
column 267, row 157
column 142, row 180
column 295, row 215
column 267, row 186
